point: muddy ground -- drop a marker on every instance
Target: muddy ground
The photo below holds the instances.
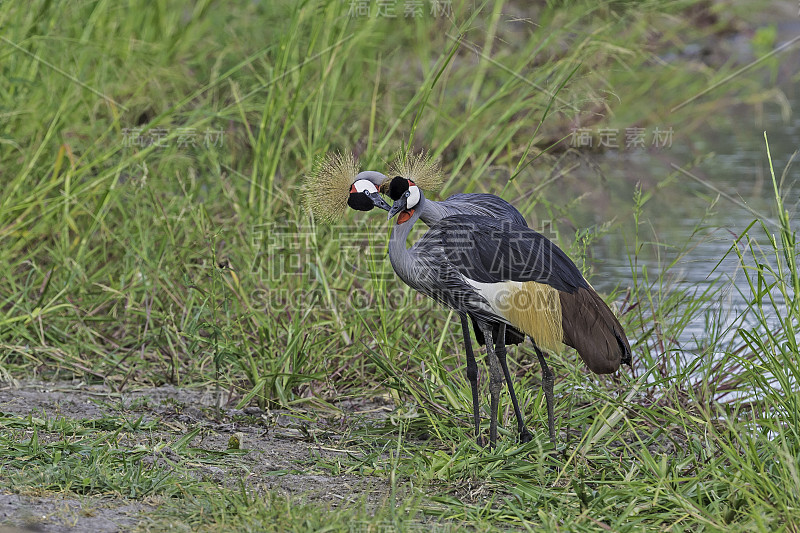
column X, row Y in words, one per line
column 281, row 450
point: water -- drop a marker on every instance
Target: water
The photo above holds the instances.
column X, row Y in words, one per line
column 738, row 173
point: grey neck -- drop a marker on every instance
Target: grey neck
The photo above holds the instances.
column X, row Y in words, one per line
column 432, row 212
column 399, row 255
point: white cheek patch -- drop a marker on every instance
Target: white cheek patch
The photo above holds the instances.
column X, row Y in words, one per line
column 365, row 186
column 413, row 197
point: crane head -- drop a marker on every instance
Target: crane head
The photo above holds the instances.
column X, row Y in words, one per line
column 335, row 183
column 406, row 196
column 364, row 196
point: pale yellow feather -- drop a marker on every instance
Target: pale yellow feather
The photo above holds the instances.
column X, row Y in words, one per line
column 327, row 188
column 535, row 308
column 419, row 168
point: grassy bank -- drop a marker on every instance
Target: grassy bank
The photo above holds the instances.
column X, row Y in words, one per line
column 152, row 157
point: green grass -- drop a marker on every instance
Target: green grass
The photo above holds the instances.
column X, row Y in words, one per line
column 195, row 265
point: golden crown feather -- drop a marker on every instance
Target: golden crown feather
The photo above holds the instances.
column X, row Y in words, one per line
column 327, row 187
column 424, row 171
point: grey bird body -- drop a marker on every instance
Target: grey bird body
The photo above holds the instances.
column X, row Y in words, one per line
column 461, row 250
column 424, row 267
column 478, row 204
column 432, row 213
column 479, row 265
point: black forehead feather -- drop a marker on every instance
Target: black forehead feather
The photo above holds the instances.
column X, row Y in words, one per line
column 397, row 187
column 360, row 201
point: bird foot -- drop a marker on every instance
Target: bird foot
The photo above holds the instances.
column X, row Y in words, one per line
column 525, row 436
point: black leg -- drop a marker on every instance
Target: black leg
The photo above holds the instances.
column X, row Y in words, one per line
column 500, row 350
column 472, row 376
column 495, row 383
column 547, row 387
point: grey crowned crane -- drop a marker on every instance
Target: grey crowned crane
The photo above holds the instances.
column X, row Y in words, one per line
column 334, row 184
column 501, row 273
column 479, row 204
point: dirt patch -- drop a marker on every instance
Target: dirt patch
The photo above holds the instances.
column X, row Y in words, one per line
column 282, row 449
column 62, row 513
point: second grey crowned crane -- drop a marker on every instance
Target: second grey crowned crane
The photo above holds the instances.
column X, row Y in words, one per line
column 501, row 273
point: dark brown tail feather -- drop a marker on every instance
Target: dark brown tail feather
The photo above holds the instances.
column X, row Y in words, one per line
column 592, row 329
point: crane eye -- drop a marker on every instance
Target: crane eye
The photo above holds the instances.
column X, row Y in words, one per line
column 407, row 194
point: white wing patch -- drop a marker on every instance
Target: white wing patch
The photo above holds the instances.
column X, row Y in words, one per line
column 497, row 294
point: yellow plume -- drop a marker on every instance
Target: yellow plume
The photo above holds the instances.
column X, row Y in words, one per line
column 327, row 188
column 420, row 169
column 535, row 308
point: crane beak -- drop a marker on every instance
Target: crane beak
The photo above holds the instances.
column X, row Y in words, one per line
column 378, row 201
column 399, row 205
